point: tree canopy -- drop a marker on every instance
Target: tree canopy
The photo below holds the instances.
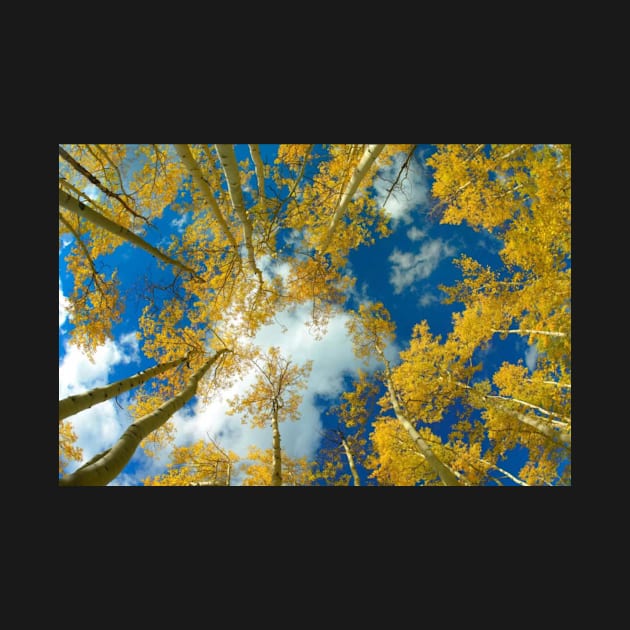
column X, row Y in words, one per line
column 262, row 236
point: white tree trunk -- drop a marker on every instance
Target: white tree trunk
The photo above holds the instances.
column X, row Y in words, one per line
column 555, row 383
column 540, row 425
column 94, row 180
column 74, row 404
column 369, row 155
column 106, row 466
column 77, row 207
column 353, row 468
column 507, row 155
column 230, row 168
column 260, row 171
column 565, row 422
column 276, row 475
column 521, row 331
column 446, row 475
column 505, row 472
column 193, row 168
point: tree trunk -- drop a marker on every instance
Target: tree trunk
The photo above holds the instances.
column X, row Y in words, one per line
column 276, row 475
column 106, row 466
column 193, row 168
column 260, row 171
column 74, row 404
column 353, row 468
column 520, row 331
column 369, row 155
column 542, row 426
column 94, row 180
column 77, row 207
column 230, row 168
column 505, row 472
column 564, row 422
column 446, row 474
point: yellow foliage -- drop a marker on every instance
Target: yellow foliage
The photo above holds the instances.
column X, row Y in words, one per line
column 275, row 392
column 520, row 194
column 68, row 451
column 258, row 468
column 395, row 461
column 371, row 329
column 201, row 462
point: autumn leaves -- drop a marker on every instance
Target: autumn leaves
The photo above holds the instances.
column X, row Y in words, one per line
column 522, row 194
column 257, row 238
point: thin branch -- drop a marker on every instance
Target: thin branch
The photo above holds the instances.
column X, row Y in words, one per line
column 82, row 245
column 68, row 158
column 115, row 167
column 404, row 166
column 77, row 207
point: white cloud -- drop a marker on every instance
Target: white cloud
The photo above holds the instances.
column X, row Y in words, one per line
column 130, row 347
column 63, row 306
column 415, row 234
column 427, row 299
column 332, row 357
column 77, row 373
column 94, row 193
column 411, row 190
column 124, row 480
column 180, row 223
column 100, row 426
column 271, row 267
column 531, row 354
column 409, row 267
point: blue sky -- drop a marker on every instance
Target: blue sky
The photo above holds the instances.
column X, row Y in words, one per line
column 403, row 271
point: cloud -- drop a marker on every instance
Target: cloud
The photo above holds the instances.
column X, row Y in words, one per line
column 531, row 354
column 411, row 190
column 427, row 299
column 180, row 223
column 63, row 306
column 128, row 343
column 100, row 426
column 77, row 373
column 415, row 234
column 124, row 480
column 94, row 193
column 409, row 267
column 332, row 357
